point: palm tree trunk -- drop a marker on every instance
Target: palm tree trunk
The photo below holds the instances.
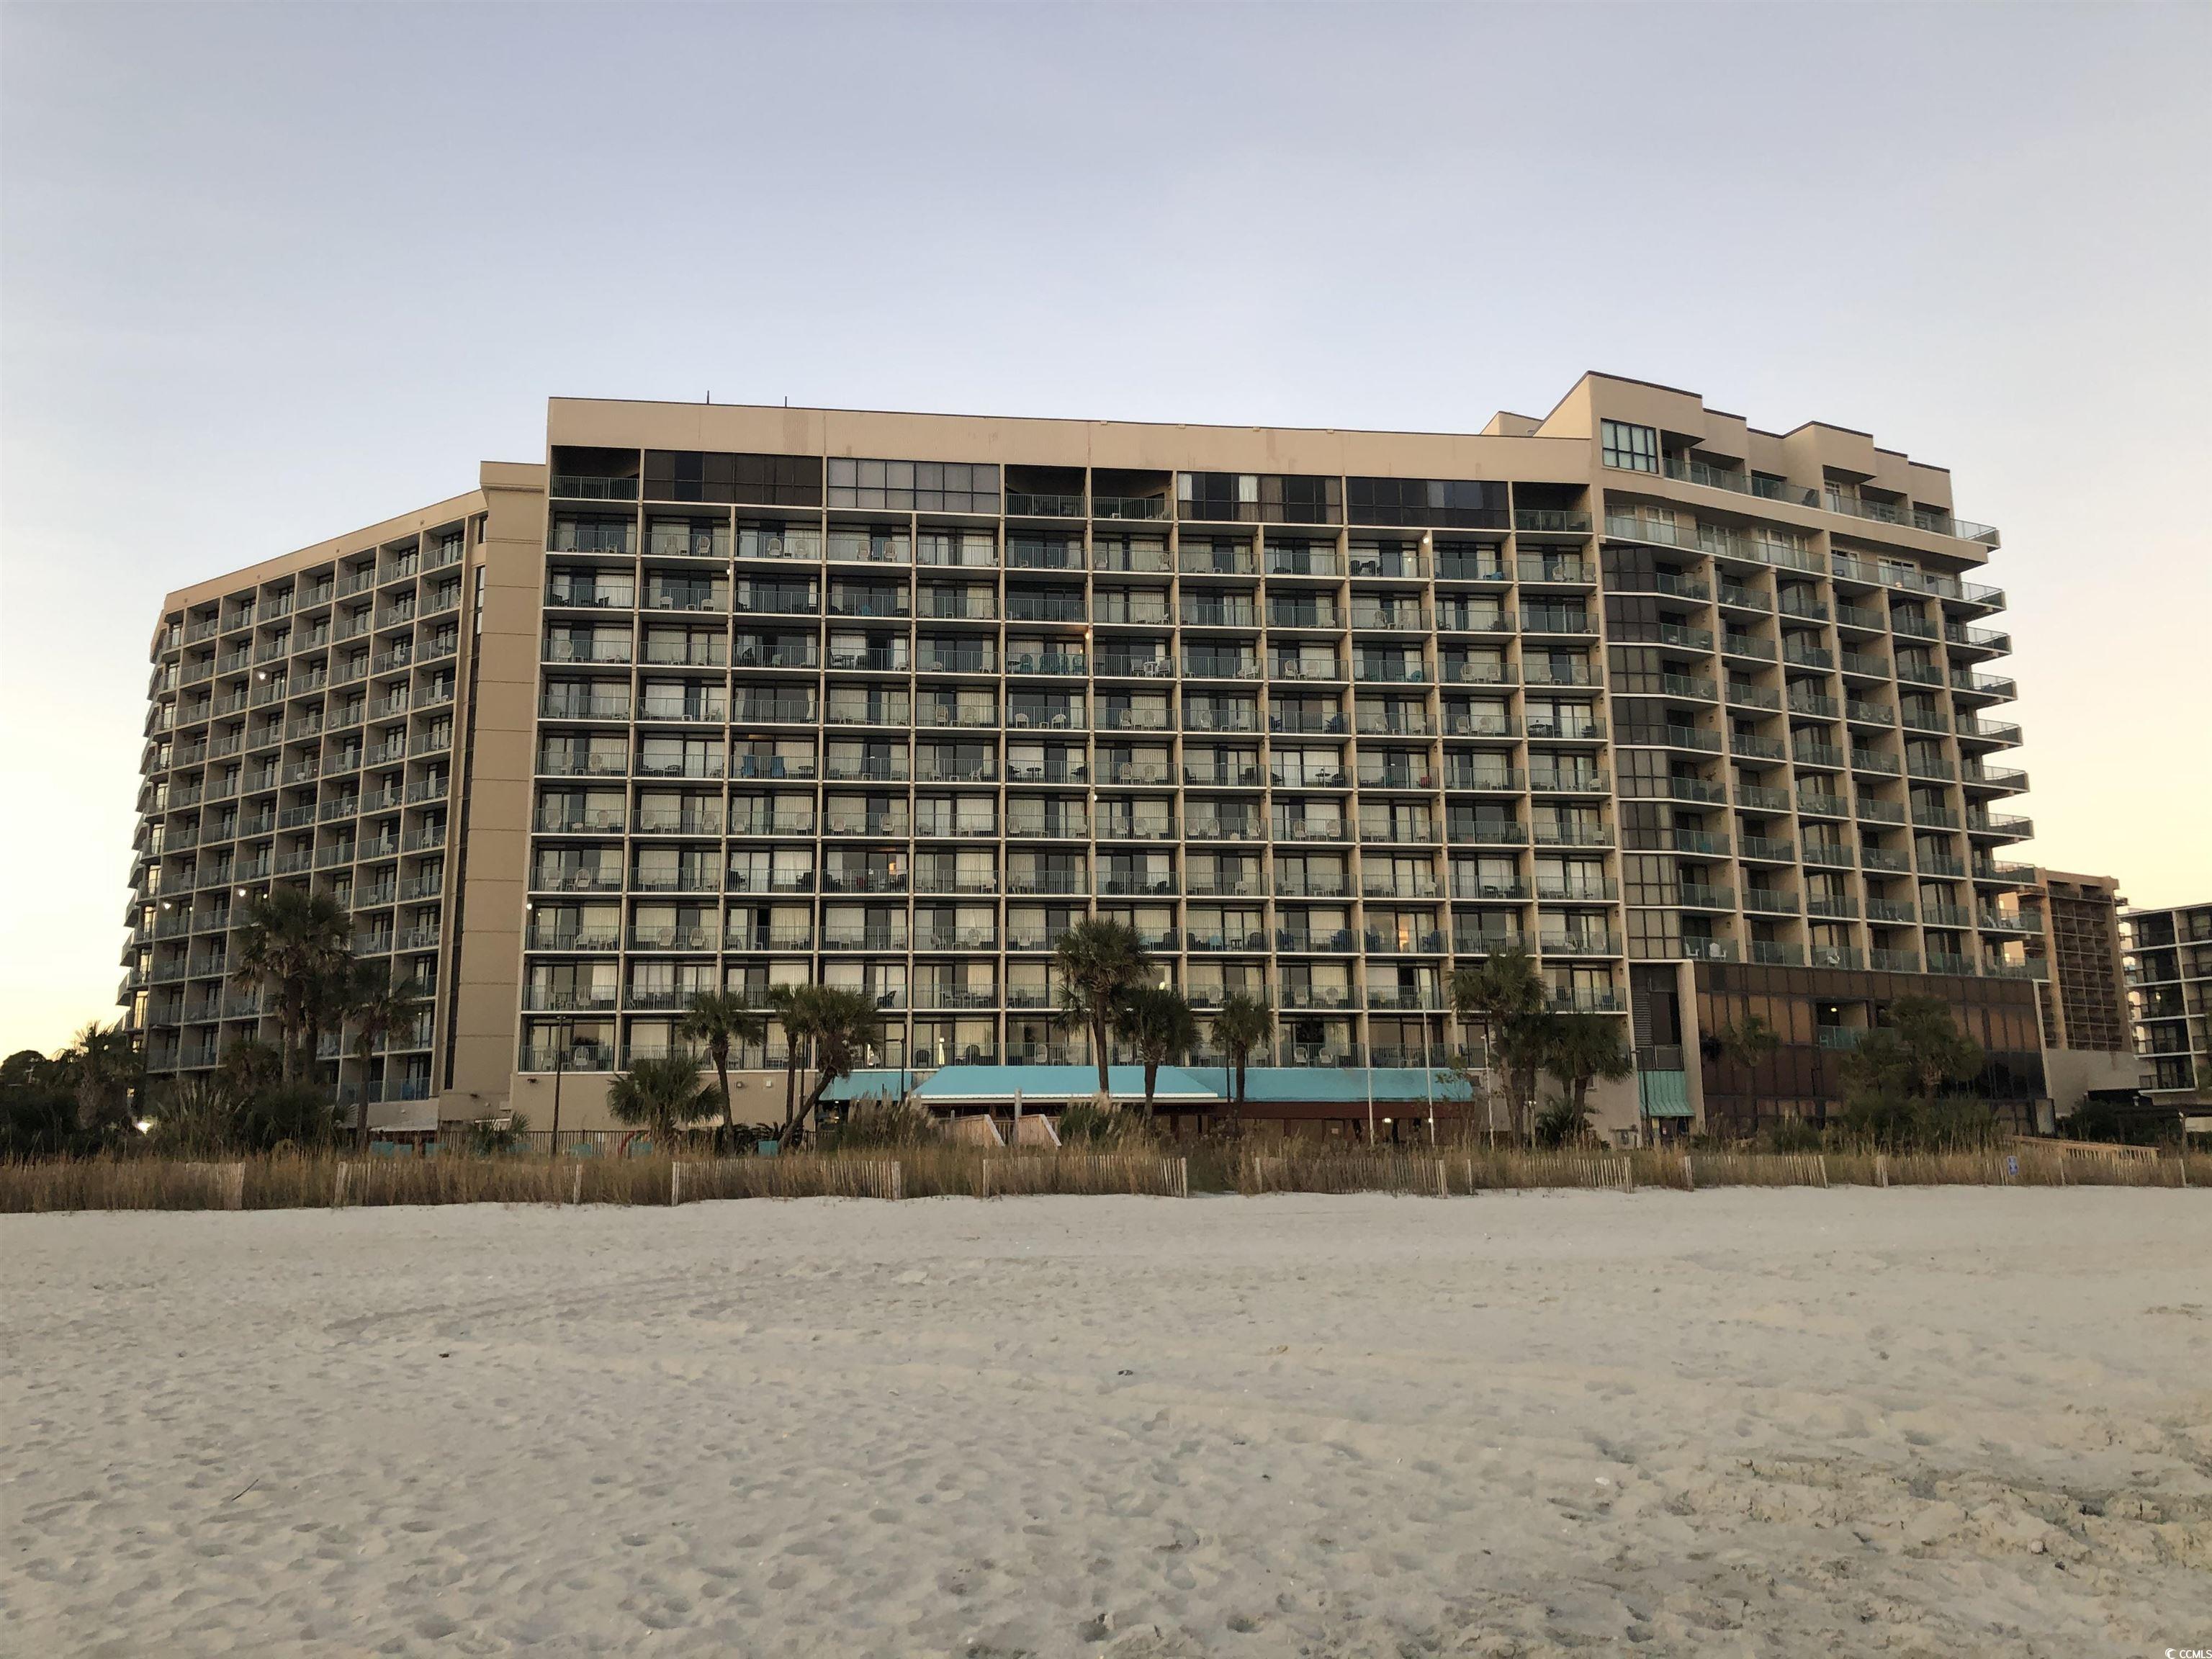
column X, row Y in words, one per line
column 1098, row 1039
column 720, row 1051
column 289, row 1015
column 360, row 1139
column 1151, row 1079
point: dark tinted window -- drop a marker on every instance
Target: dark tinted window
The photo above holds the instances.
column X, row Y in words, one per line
column 1458, row 503
column 684, row 474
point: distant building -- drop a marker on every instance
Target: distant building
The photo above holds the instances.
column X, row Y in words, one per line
column 2169, row 954
column 2083, row 998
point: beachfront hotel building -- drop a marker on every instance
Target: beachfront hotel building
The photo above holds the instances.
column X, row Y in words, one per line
column 1707, row 718
column 2169, row 958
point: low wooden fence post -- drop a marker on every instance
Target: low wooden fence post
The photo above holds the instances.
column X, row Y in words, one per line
column 675, row 1182
column 576, row 1186
column 1689, row 1180
column 1183, row 1178
column 338, row 1189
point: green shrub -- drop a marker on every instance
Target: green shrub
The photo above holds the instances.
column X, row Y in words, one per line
column 294, row 1115
column 491, row 1137
column 1790, row 1134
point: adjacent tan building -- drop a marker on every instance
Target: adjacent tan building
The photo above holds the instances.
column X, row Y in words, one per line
column 2083, row 997
column 743, row 696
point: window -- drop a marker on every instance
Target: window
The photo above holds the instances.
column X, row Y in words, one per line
column 1451, row 502
column 914, row 486
column 767, row 480
column 1252, row 497
column 1635, row 448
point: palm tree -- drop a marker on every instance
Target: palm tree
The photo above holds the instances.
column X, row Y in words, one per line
column 661, row 1097
column 1580, row 1049
column 1099, row 961
column 718, row 1019
column 840, row 1026
column 793, row 1006
column 247, row 1066
column 1155, row 1021
column 1241, row 1024
column 1506, row 997
column 292, row 940
column 102, row 1067
column 376, row 1008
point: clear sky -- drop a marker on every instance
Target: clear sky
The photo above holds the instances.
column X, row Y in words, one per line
column 270, row 273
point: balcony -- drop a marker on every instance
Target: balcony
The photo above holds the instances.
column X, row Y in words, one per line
column 1684, row 737
column 1933, row 520
column 1024, row 504
column 1673, row 635
column 1586, row 1001
column 1578, row 945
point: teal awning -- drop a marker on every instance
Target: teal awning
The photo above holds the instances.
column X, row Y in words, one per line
column 1664, row 1094
column 991, row 1085
column 1390, row 1085
column 1202, row 1086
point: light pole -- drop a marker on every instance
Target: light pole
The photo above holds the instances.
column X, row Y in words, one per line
column 561, row 1030
column 1429, row 1075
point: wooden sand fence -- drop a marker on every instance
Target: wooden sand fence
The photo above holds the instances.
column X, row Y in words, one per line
column 330, row 1180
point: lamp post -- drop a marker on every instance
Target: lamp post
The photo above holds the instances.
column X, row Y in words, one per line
column 560, row 1031
column 1429, row 1075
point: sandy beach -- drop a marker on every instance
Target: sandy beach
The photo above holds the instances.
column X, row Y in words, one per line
column 1938, row 1421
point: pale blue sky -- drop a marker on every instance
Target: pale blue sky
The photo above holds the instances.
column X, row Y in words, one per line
column 269, row 273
